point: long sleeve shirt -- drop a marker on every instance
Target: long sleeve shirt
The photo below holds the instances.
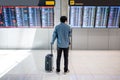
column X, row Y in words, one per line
column 62, row 33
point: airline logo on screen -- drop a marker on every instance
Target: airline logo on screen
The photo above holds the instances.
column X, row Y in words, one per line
column 72, row 2
column 50, row 2
column 46, row 3
column 75, row 2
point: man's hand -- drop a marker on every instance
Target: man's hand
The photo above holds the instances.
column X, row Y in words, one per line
column 51, row 43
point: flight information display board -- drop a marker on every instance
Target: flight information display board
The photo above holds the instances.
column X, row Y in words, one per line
column 21, row 13
column 26, row 16
column 76, row 16
column 101, row 17
column 34, row 16
column 47, row 17
column 94, row 16
column 114, row 17
column 88, row 17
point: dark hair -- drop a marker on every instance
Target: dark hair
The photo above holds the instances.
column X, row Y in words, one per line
column 63, row 19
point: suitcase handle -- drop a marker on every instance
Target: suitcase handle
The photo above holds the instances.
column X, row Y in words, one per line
column 51, row 49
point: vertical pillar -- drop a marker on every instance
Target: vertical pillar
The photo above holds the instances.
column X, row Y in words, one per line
column 64, row 8
column 57, row 12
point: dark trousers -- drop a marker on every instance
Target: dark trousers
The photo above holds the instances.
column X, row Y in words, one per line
column 59, row 53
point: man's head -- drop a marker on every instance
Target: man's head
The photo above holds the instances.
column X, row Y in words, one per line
column 63, row 19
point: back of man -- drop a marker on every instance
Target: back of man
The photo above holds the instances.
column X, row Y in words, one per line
column 62, row 33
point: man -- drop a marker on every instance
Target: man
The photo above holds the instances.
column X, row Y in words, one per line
column 62, row 33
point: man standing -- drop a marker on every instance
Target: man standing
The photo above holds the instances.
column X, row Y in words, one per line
column 62, row 33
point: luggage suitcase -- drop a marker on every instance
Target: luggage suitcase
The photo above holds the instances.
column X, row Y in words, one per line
column 49, row 61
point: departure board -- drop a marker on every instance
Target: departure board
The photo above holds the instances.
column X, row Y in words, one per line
column 76, row 16
column 101, row 17
column 94, row 16
column 114, row 17
column 88, row 17
column 47, row 15
column 26, row 16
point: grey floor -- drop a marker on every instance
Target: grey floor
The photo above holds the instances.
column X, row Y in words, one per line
column 83, row 65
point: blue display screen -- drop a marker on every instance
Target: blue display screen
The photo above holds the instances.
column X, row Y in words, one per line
column 94, row 16
column 26, row 16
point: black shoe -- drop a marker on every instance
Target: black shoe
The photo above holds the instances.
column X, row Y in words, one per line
column 65, row 72
column 57, row 72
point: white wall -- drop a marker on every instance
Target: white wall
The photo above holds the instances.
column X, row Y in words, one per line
column 96, row 39
column 25, row 38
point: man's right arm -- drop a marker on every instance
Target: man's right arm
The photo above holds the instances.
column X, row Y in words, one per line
column 54, row 36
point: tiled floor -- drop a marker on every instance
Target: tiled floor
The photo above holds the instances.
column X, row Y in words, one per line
column 83, row 65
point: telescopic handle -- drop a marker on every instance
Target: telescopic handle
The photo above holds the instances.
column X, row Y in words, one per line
column 51, row 49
